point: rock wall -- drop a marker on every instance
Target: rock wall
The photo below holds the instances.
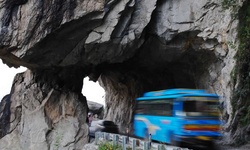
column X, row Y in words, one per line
column 42, row 117
column 35, row 30
column 192, row 36
column 129, row 46
column 121, row 91
column 96, row 109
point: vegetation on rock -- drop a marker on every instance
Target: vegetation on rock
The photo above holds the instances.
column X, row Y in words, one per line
column 241, row 73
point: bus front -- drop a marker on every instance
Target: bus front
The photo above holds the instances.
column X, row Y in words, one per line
column 199, row 119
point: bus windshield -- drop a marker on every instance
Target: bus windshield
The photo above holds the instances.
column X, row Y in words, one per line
column 201, row 107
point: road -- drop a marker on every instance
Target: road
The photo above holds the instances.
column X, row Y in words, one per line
column 244, row 147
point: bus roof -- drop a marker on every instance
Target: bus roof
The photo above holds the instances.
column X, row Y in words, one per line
column 175, row 93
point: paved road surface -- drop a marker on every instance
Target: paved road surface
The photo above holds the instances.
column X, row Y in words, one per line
column 244, row 147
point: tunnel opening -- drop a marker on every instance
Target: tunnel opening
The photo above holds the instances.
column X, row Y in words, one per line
column 93, row 91
column 183, row 62
column 95, row 96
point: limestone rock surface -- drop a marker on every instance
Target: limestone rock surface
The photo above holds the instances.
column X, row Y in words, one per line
column 129, row 46
column 96, row 108
column 40, row 117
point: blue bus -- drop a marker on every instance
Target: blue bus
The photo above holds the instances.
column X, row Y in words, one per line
column 178, row 116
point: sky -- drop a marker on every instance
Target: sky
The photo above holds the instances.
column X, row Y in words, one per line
column 92, row 90
column 6, row 77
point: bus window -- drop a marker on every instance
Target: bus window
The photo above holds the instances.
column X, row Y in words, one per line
column 200, row 108
column 155, row 108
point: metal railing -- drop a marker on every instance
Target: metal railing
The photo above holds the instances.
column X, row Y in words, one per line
column 132, row 143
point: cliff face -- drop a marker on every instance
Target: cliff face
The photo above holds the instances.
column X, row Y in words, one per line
column 40, row 116
column 129, row 46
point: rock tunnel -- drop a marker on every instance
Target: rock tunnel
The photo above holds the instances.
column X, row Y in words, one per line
column 130, row 47
column 157, row 66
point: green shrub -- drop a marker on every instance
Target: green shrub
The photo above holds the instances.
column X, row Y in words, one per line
column 110, row 146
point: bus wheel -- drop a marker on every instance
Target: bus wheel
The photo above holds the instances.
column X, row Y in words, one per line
column 174, row 142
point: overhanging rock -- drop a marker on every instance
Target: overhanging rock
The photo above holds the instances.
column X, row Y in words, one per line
column 129, row 46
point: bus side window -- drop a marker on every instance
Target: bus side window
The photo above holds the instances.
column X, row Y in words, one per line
column 162, row 109
column 156, row 108
column 142, row 108
column 169, row 109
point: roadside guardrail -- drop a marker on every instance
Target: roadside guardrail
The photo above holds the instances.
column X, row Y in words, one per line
column 132, row 143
